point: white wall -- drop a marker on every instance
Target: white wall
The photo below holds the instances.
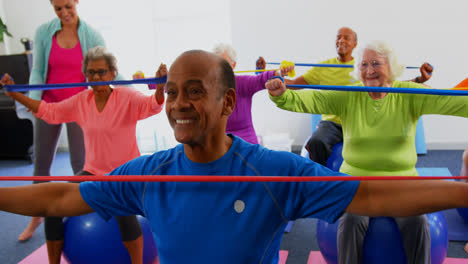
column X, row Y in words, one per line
column 142, row 33
column 304, row 31
column 22, row 17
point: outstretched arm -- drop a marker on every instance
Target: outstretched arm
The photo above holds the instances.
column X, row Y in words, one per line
column 46, row 199
column 297, row 80
column 407, row 198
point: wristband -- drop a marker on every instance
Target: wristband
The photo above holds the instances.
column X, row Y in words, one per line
column 277, row 77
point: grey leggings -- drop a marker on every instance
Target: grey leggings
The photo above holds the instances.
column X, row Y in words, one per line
column 415, row 232
column 46, row 137
column 129, row 226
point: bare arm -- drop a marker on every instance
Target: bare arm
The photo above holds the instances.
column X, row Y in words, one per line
column 31, row 104
column 407, row 198
column 297, row 80
column 47, row 199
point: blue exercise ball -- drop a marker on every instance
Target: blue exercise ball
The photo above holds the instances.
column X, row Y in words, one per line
column 387, row 228
column 439, row 237
column 327, row 233
column 336, row 157
column 463, row 212
column 89, row 239
column 326, row 238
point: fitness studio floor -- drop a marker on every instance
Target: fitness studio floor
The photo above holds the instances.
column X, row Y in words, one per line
column 297, row 244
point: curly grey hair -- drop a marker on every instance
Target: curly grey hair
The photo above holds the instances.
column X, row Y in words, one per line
column 98, row 53
column 385, row 50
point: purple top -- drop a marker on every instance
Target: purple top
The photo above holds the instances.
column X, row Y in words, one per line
column 240, row 121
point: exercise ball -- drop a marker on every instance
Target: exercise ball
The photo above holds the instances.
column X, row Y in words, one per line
column 383, row 232
column 89, row 239
column 336, row 157
column 327, row 234
column 326, row 238
column 439, row 237
column 463, row 212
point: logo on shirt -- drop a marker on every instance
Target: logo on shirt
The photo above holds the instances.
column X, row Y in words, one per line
column 239, row 206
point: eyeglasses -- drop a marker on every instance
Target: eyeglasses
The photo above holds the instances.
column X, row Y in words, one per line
column 374, row 64
column 101, row 72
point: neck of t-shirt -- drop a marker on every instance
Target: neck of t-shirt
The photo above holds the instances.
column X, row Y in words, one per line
column 345, row 59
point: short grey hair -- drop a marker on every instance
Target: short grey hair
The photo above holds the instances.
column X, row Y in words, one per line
column 98, row 53
column 222, row 48
column 385, row 50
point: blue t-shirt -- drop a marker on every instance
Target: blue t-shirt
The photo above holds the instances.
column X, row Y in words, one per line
column 233, row 222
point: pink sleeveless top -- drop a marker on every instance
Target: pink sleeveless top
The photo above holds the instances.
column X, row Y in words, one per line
column 64, row 67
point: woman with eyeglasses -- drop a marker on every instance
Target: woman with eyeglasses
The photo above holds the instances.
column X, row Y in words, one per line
column 108, row 117
column 379, row 132
column 59, row 47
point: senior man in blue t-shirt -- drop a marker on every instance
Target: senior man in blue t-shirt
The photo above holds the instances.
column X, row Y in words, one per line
column 224, row 222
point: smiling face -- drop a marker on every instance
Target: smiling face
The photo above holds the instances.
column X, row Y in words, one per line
column 345, row 42
column 99, row 71
column 375, row 70
column 197, row 104
column 66, row 11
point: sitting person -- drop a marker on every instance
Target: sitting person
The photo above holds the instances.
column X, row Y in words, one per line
column 108, row 117
column 379, row 129
column 329, row 131
column 239, row 222
column 240, row 121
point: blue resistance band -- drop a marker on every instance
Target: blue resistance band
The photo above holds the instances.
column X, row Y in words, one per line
column 383, row 89
column 328, row 65
column 30, row 87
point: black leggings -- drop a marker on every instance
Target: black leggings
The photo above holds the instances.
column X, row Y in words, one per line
column 129, row 226
column 321, row 143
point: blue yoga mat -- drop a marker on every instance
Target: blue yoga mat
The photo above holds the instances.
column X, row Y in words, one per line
column 433, row 172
